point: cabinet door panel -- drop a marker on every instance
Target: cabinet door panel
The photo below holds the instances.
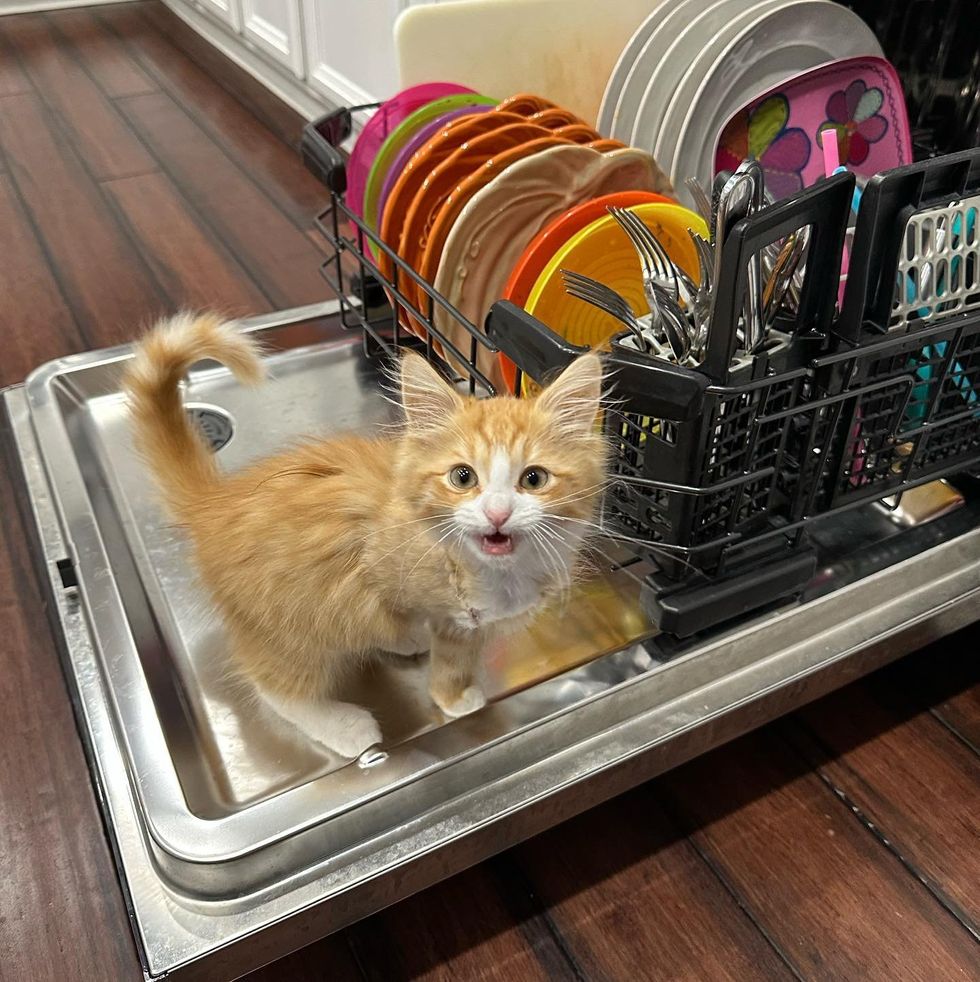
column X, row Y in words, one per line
column 275, row 26
column 350, row 51
column 228, row 10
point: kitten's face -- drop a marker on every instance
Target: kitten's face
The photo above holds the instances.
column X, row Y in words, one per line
column 509, row 483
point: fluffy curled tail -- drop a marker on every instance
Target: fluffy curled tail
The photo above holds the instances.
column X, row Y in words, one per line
column 176, row 451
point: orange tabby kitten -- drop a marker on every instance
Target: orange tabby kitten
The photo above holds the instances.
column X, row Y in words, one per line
column 458, row 526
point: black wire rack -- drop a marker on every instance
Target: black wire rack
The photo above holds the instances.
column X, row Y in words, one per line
column 720, row 469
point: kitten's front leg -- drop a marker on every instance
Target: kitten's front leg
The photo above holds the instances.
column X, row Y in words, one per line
column 342, row 727
column 454, row 670
column 413, row 643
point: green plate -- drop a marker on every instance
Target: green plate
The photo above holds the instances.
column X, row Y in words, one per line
column 399, row 136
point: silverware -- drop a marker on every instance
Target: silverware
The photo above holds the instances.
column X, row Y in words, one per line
column 702, row 200
column 655, row 261
column 784, row 271
column 674, row 322
column 664, row 310
column 754, row 335
column 607, row 300
column 667, row 287
column 734, row 200
column 681, row 310
column 701, row 307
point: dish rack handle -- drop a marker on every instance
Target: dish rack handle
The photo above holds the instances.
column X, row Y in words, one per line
column 655, row 388
column 319, row 146
column 888, row 201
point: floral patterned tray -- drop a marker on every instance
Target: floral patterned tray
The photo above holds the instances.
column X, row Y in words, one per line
column 861, row 98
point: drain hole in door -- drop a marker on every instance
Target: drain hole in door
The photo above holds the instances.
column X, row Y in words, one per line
column 214, row 423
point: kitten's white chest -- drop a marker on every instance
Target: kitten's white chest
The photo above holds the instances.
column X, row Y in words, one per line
column 499, row 595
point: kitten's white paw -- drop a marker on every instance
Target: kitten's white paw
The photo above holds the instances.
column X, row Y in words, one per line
column 343, row 727
column 470, row 701
column 349, row 731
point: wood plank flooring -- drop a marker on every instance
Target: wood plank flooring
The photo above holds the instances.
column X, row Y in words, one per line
column 141, row 173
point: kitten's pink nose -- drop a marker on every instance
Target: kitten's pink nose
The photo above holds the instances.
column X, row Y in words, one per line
column 498, row 516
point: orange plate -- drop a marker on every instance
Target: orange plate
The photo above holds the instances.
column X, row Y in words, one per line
column 456, row 201
column 525, row 104
column 432, row 153
column 577, row 133
column 444, row 180
column 547, row 242
column 553, row 118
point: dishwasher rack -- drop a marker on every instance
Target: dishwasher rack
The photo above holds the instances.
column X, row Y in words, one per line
column 720, row 470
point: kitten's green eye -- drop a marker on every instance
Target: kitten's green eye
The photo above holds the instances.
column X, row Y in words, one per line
column 463, row 477
column 534, row 479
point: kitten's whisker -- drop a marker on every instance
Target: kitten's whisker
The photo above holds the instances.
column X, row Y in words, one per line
column 390, row 528
column 454, row 527
column 592, row 489
column 405, row 542
column 673, row 552
column 559, row 568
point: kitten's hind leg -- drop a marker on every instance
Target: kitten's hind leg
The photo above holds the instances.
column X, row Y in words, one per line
column 342, row 727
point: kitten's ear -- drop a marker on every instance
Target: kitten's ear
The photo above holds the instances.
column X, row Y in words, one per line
column 573, row 398
column 426, row 396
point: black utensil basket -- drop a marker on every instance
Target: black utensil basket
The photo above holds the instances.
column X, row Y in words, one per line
column 719, row 470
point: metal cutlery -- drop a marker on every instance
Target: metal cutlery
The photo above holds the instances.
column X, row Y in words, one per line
column 752, row 169
column 702, row 200
column 657, row 265
column 784, row 270
column 609, row 301
column 665, row 285
column 681, row 309
column 674, row 322
column 701, row 307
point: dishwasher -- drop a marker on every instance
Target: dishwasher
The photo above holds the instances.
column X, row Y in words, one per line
column 780, row 525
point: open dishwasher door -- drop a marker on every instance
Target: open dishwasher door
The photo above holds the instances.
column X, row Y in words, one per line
column 237, row 841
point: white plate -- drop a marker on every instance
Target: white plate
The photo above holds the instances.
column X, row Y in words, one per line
column 710, row 35
column 624, row 66
column 785, row 42
column 650, row 57
column 705, row 25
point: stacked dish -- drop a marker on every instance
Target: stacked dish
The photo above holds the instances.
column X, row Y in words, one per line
column 697, row 69
column 479, row 198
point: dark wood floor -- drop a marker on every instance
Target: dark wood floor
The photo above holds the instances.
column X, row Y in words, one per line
column 840, row 843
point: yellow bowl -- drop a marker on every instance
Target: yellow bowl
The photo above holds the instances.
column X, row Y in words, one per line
column 603, row 251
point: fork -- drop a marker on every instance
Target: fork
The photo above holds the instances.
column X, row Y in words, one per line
column 702, row 200
column 782, row 279
column 701, row 308
column 674, row 322
column 656, row 264
column 606, row 299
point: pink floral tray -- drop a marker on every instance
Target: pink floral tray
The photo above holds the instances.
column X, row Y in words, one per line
column 861, row 98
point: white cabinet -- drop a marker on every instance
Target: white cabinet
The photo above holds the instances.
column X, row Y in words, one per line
column 228, row 10
column 314, row 54
column 350, row 51
column 275, row 26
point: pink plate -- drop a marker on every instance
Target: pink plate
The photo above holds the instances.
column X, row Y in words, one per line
column 405, row 154
column 388, row 115
column 861, row 98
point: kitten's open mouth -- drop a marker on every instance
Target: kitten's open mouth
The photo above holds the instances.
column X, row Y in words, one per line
column 498, row 544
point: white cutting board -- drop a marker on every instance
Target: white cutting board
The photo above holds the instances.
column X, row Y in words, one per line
column 563, row 50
